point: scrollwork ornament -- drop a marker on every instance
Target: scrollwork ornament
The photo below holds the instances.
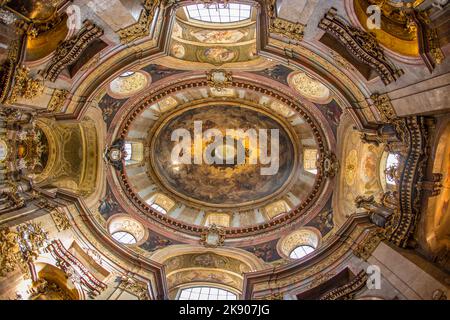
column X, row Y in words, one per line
column 213, row 237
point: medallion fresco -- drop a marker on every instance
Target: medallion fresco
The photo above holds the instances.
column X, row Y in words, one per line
column 217, row 56
column 219, row 36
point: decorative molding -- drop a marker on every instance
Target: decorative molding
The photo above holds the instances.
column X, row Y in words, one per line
column 213, row 237
column 57, row 100
column 363, row 45
column 384, row 106
column 365, row 248
column 24, row 86
column 137, row 288
column 329, row 164
column 408, row 137
column 283, row 27
column 347, row 291
column 70, row 50
column 230, row 232
column 60, row 218
column 20, row 247
column 428, row 39
column 219, row 79
column 9, row 67
column 141, row 28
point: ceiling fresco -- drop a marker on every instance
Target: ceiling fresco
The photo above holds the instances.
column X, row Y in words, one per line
column 222, row 184
column 122, row 122
column 216, row 46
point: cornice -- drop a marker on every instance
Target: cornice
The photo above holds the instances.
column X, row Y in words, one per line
column 155, row 268
column 334, row 250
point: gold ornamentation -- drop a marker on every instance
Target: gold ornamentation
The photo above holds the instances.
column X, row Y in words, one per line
column 219, row 79
column 287, row 28
column 141, row 28
column 47, row 289
column 8, row 251
column 61, row 221
column 24, row 86
column 367, row 246
column 129, row 85
column 20, row 247
column 308, row 87
column 347, row 291
column 384, row 106
column 363, row 45
column 321, row 278
column 213, row 237
column 291, row 30
column 70, row 50
column 57, row 100
column 137, row 288
column 329, row 164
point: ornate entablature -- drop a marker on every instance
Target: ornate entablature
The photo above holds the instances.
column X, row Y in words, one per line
column 408, row 137
column 141, row 28
column 347, row 291
column 360, row 44
column 70, row 50
column 283, row 27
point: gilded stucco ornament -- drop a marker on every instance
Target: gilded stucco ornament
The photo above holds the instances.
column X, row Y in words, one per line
column 57, row 100
column 361, row 44
column 135, row 287
column 329, row 164
column 60, row 218
column 288, row 29
column 219, row 79
column 349, row 290
column 367, row 246
column 25, row 86
column 141, row 28
column 70, row 50
column 20, row 247
column 213, row 237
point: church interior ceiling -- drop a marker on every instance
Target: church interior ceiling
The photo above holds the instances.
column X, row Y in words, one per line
column 256, row 149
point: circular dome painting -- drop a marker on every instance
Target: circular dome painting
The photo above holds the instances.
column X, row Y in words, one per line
column 229, row 171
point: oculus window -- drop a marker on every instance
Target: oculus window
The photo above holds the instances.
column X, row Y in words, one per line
column 232, row 13
column 206, row 293
column 301, row 251
column 124, row 237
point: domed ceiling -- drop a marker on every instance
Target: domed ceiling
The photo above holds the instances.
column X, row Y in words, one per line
column 226, row 182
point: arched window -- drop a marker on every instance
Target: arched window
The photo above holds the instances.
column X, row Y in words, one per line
column 276, row 208
column 134, row 152
column 161, row 203
column 392, row 163
column 234, row 12
column 206, row 293
column 127, row 74
column 126, row 230
column 301, row 251
column 158, row 208
column 310, row 160
column 124, row 237
column 299, row 243
column 219, row 219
